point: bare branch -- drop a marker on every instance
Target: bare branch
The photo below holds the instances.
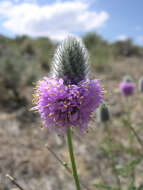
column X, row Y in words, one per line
column 13, row 180
column 64, row 165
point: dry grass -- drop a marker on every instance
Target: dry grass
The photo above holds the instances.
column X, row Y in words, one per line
column 24, row 156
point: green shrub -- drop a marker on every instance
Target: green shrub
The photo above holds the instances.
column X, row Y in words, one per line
column 99, row 50
column 32, row 72
column 28, row 49
column 126, row 48
column 11, row 72
column 91, row 40
column 101, row 59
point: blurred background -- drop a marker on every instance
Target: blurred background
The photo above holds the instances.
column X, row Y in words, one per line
column 30, row 31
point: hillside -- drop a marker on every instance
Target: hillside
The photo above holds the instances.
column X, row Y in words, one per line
column 23, row 153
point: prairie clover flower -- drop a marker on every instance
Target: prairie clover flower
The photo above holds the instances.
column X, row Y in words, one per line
column 140, row 84
column 127, row 86
column 127, row 78
column 103, row 114
column 67, row 101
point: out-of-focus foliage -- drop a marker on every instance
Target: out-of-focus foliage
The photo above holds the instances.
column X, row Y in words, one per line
column 24, row 60
column 126, row 48
column 115, row 147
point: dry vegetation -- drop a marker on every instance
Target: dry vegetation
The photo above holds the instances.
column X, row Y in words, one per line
column 23, row 153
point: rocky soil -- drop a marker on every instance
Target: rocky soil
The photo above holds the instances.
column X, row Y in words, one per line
column 23, row 153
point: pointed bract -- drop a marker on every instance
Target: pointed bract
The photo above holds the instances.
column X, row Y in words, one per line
column 140, row 84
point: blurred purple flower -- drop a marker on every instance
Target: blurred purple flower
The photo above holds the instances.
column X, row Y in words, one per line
column 127, row 88
column 61, row 106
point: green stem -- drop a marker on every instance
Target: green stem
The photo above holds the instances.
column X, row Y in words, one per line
column 74, row 170
column 133, row 131
column 132, row 177
column 112, row 157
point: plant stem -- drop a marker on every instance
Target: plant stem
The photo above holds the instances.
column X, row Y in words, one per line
column 133, row 130
column 14, row 182
column 132, row 184
column 70, row 148
column 112, row 157
column 64, row 165
column 136, row 135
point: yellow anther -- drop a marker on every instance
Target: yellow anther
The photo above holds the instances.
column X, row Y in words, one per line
column 82, row 97
column 36, row 111
column 77, row 92
column 65, row 106
column 80, row 103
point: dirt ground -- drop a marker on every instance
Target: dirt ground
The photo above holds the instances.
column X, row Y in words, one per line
column 23, row 153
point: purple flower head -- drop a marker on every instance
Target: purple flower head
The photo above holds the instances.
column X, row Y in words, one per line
column 127, row 88
column 68, row 98
column 61, row 106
